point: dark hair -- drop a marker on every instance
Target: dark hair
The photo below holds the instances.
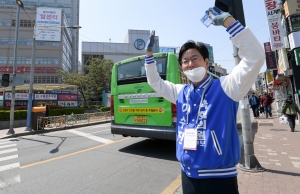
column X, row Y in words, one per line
column 193, row 45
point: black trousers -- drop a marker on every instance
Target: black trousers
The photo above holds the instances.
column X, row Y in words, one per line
column 209, row 186
column 291, row 120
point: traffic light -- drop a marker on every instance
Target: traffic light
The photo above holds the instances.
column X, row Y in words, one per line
column 5, row 80
column 234, row 7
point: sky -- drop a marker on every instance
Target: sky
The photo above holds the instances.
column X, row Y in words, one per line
column 174, row 21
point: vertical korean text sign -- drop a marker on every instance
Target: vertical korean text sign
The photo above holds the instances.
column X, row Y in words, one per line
column 48, row 24
column 270, row 56
column 274, row 22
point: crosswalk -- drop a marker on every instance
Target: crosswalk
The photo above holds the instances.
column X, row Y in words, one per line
column 8, row 162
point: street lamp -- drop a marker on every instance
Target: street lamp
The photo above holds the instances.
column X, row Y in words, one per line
column 30, row 95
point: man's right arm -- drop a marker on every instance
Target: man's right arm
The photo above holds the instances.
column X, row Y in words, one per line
column 166, row 89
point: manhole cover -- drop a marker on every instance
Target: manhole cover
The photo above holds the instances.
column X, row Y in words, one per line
column 265, row 124
column 278, row 129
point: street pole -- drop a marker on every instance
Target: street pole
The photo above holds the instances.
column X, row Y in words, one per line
column 30, row 94
column 13, row 91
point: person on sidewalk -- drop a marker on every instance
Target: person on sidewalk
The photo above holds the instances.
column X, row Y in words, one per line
column 254, row 104
column 290, row 109
column 266, row 102
column 207, row 144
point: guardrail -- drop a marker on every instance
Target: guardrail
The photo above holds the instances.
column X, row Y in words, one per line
column 71, row 120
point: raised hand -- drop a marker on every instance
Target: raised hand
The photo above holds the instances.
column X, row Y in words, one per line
column 150, row 43
column 218, row 17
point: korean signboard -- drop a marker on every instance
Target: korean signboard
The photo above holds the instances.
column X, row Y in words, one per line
column 46, row 102
column 18, row 96
column 48, row 22
column 59, row 92
column 272, row 8
column 23, row 69
column 294, row 39
column 45, row 96
column 67, row 97
column 274, row 21
column 294, row 22
column 67, row 103
column 291, row 7
column 270, row 56
column 276, row 33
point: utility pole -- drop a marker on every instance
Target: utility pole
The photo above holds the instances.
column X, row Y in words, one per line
column 248, row 160
column 13, row 91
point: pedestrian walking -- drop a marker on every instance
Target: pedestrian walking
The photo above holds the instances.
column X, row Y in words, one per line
column 207, row 144
column 254, row 104
column 266, row 101
column 290, row 109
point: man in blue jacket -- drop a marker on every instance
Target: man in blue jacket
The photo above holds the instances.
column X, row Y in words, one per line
column 207, row 144
column 254, row 104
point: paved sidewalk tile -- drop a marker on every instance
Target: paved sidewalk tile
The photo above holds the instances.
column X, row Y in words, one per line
column 278, row 151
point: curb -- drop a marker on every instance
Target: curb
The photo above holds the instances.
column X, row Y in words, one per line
column 51, row 130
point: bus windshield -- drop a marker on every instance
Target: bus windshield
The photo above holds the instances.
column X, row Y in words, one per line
column 135, row 70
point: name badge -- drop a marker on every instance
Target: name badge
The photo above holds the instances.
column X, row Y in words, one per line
column 190, row 139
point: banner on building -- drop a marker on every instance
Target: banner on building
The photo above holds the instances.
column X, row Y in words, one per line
column 18, row 96
column 45, row 96
column 291, row 7
column 270, row 56
column 67, row 103
column 272, row 8
column 69, row 97
column 269, row 77
column 46, row 102
column 294, row 22
column 276, row 33
column 294, row 39
column 48, row 24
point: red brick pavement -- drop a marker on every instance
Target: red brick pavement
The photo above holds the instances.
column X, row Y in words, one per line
column 278, row 151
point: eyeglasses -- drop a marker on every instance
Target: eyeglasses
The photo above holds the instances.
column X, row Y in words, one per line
column 194, row 59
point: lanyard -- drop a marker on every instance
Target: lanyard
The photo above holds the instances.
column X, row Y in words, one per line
column 201, row 101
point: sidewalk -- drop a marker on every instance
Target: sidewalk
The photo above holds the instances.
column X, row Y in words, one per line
column 278, row 151
column 21, row 130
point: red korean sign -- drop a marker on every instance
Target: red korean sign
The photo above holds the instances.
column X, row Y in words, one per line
column 276, row 33
column 68, row 97
column 272, row 8
column 22, row 69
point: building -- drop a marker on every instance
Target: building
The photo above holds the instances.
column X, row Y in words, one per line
column 134, row 45
column 217, row 69
column 211, row 54
column 49, row 55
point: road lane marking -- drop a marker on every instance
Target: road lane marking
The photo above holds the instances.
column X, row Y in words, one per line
column 173, row 186
column 10, row 182
column 6, row 146
column 98, row 126
column 9, row 166
column 93, row 137
column 11, row 140
column 100, row 131
column 8, row 151
column 8, row 157
column 71, row 154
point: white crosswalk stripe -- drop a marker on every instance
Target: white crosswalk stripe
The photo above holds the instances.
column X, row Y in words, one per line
column 7, row 146
column 8, row 162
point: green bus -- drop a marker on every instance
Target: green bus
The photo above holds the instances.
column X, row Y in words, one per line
column 136, row 109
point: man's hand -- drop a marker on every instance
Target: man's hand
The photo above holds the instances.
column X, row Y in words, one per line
column 218, row 19
column 150, row 43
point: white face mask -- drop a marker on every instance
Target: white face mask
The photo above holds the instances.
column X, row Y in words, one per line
column 195, row 75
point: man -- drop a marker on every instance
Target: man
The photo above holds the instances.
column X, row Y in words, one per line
column 254, row 104
column 290, row 109
column 207, row 144
column 266, row 102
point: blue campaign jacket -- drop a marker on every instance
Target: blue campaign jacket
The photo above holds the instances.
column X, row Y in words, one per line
column 218, row 149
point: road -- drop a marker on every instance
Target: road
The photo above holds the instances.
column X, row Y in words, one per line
column 86, row 160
